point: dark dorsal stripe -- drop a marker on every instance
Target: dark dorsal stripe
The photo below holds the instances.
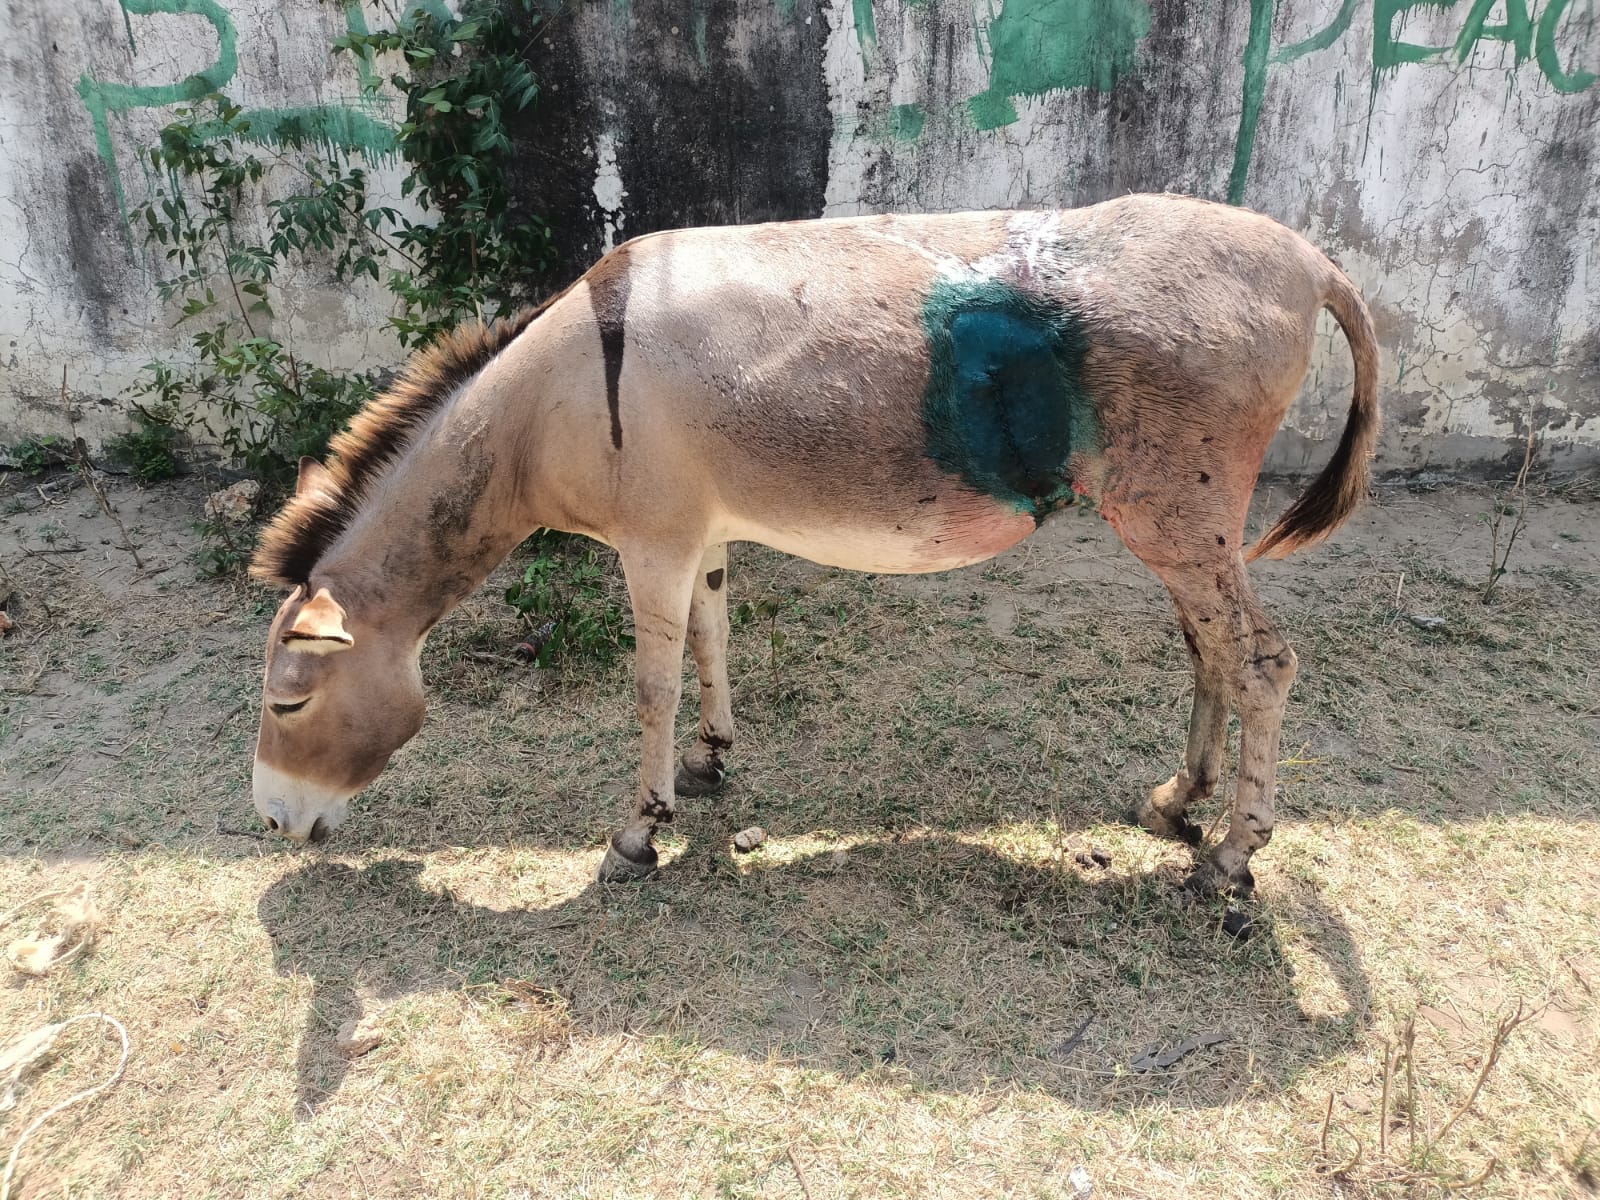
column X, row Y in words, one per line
column 608, row 295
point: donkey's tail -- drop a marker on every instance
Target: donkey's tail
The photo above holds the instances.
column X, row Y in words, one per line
column 1342, row 486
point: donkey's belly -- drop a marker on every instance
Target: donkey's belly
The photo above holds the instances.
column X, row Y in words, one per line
column 937, row 534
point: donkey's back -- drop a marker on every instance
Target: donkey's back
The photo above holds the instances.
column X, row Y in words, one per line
column 953, row 378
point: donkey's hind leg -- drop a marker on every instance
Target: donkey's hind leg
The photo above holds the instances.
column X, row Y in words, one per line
column 1239, row 656
column 701, row 772
column 1165, row 810
column 660, row 584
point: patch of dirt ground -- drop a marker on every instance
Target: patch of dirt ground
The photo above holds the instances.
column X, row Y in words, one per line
column 922, row 984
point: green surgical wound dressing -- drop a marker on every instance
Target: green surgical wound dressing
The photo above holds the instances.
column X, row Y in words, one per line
column 1005, row 407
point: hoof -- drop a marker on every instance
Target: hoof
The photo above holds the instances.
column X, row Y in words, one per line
column 1180, row 828
column 617, row 867
column 693, row 782
column 1208, row 879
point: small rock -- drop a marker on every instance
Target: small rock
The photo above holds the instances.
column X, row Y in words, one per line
column 1424, row 621
column 357, row 1037
column 1356, row 1102
column 747, row 840
column 1082, row 1186
column 235, row 503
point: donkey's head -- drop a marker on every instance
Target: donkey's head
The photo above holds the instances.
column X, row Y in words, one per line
column 340, row 697
column 343, row 687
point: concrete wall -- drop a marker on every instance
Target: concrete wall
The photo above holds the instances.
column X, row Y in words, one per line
column 1447, row 154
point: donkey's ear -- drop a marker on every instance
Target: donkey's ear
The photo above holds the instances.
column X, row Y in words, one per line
column 314, row 477
column 319, row 626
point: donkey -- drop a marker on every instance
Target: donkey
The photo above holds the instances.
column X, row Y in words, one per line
column 884, row 393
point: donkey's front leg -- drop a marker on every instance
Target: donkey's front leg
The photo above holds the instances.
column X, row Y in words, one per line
column 701, row 771
column 660, row 585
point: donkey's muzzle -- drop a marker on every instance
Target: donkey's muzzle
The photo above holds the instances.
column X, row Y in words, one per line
column 296, row 809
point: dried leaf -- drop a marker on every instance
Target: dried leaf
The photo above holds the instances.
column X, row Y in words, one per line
column 34, row 956
column 77, row 915
column 1155, row 1058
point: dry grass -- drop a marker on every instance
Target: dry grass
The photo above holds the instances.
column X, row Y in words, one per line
column 883, row 1000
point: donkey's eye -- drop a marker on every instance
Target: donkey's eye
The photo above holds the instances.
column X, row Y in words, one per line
column 284, row 710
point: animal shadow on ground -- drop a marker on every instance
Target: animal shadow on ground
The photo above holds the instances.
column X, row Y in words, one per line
column 958, row 967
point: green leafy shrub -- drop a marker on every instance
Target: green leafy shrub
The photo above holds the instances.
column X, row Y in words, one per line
column 149, row 451
column 562, row 596
column 257, row 399
column 35, row 455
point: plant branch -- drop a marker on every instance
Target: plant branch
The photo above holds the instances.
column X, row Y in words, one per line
column 1519, row 492
column 80, row 455
column 1503, row 1029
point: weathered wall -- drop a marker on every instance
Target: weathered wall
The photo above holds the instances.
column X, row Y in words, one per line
column 1447, row 154
column 84, row 86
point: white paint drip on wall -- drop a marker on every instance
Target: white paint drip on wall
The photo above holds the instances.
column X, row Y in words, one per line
column 608, row 190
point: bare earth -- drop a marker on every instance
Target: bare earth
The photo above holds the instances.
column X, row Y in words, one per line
column 914, row 988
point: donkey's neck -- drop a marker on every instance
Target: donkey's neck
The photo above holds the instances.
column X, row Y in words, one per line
column 449, row 508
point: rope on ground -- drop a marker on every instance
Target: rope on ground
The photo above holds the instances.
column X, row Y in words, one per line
column 38, row 1122
column 7, row 917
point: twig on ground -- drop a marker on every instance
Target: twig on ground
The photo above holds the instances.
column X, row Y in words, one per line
column 230, row 831
column 1383, row 1104
column 230, row 715
column 1503, row 1029
column 1480, row 1177
column 1408, row 1039
column 80, row 455
column 1519, row 494
column 799, row 1173
column 1421, row 1151
column 38, row 554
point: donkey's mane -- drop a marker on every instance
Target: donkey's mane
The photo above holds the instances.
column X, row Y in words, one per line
column 379, row 434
